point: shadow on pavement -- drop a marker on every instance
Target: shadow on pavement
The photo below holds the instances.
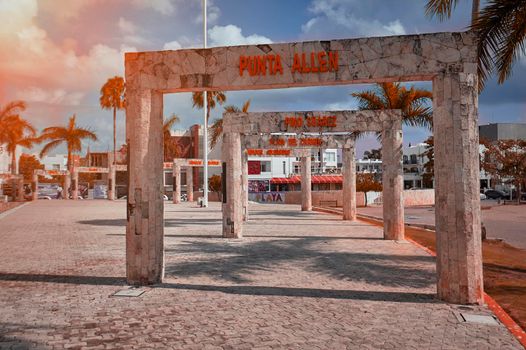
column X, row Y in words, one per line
column 309, row 292
column 222, row 260
column 69, row 279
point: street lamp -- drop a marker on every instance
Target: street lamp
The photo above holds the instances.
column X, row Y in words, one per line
column 205, row 131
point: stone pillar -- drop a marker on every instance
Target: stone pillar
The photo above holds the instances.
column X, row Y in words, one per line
column 145, row 221
column 232, row 206
column 349, row 183
column 244, row 185
column 306, row 180
column 190, row 184
column 457, row 201
column 75, row 185
column 111, row 183
column 176, row 183
column 65, row 187
column 34, row 187
column 393, row 181
column 20, row 189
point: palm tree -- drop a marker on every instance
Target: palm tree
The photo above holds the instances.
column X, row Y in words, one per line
column 212, row 98
column 501, row 28
column 443, row 9
column 11, row 109
column 112, row 97
column 216, row 129
column 171, row 149
column 72, row 135
column 412, row 102
column 18, row 132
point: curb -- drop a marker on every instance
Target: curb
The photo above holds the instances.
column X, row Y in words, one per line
column 502, row 315
column 12, row 210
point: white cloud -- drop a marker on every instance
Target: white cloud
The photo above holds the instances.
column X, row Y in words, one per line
column 165, row 7
column 232, row 35
column 172, row 45
column 57, row 96
column 337, row 15
column 126, row 26
column 212, row 13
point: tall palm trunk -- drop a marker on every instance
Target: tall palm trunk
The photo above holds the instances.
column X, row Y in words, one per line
column 69, row 165
column 114, row 135
column 13, row 161
column 475, row 9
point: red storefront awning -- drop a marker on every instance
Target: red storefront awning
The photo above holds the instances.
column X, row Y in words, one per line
column 316, row 179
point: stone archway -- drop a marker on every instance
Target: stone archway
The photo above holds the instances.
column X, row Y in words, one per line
column 449, row 60
column 336, row 128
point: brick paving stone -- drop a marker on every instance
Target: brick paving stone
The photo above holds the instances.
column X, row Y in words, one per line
column 298, row 280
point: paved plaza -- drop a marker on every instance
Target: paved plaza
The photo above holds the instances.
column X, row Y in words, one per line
column 298, row 280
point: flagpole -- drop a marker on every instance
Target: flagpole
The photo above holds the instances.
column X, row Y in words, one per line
column 205, row 131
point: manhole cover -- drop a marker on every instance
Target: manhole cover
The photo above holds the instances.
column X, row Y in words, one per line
column 131, row 292
column 482, row 319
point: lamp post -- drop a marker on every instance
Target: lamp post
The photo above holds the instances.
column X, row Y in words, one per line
column 205, row 131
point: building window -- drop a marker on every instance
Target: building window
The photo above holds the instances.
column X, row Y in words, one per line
column 297, row 169
column 265, row 167
column 284, row 167
column 413, row 158
column 406, row 161
column 330, row 157
column 55, row 166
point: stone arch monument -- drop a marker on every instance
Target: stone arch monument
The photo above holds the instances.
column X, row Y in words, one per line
column 449, row 60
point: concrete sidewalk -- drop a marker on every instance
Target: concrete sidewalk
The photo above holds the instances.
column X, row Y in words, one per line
column 296, row 281
column 505, row 222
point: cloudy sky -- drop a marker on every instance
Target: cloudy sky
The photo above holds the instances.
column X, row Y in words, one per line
column 57, row 54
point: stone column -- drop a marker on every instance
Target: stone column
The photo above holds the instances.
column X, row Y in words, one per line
column 244, row 175
column 65, row 187
column 306, row 180
column 176, row 183
column 349, row 183
column 34, row 187
column 392, row 181
column 111, row 183
column 74, row 185
column 457, row 202
column 145, row 227
column 232, row 206
column 190, row 183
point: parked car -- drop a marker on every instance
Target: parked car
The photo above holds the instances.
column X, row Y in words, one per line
column 483, row 196
column 495, row 194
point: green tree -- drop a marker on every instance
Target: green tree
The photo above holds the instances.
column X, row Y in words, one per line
column 506, row 160
column 112, row 98
column 373, row 154
column 413, row 102
column 171, row 148
column 215, row 185
column 27, row 164
column 429, row 166
column 72, row 135
column 11, row 109
column 216, row 129
column 366, row 182
column 18, row 132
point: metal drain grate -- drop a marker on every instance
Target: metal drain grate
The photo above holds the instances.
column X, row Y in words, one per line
column 480, row 319
column 130, row 292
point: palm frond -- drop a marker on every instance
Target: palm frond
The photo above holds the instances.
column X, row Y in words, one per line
column 49, row 147
column 246, row 106
column 170, row 122
column 12, row 108
column 442, row 9
column 197, row 99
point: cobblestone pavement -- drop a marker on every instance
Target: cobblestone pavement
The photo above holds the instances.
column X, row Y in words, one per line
column 296, row 281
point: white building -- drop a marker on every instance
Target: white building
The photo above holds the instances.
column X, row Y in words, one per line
column 56, row 162
column 5, row 161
